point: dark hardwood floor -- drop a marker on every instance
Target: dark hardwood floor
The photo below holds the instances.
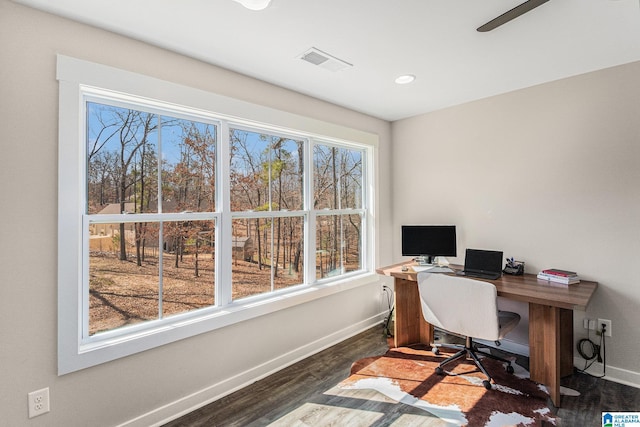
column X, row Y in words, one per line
column 300, row 394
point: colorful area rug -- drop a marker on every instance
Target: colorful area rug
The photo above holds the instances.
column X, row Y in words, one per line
column 407, row 375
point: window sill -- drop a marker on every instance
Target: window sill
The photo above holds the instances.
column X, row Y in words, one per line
column 107, row 347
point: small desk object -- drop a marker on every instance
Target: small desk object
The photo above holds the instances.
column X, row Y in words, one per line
column 550, row 319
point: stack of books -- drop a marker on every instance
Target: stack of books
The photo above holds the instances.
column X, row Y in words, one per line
column 559, row 276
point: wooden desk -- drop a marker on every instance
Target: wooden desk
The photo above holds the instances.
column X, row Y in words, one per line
column 550, row 319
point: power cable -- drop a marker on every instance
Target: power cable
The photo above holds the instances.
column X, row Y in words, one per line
column 593, row 352
column 390, row 308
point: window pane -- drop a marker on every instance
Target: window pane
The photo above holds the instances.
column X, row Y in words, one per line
column 337, row 175
column 122, row 162
column 267, row 255
column 289, row 252
column 188, row 165
column 123, row 275
column 188, row 266
column 266, row 172
column 122, row 165
column 124, row 289
column 339, row 245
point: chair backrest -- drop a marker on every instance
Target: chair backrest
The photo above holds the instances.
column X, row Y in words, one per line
column 460, row 305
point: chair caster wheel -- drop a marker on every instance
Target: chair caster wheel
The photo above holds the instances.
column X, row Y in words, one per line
column 435, row 350
column 439, row 371
column 486, row 384
column 510, row 369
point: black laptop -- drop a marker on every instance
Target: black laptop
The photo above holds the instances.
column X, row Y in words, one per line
column 482, row 264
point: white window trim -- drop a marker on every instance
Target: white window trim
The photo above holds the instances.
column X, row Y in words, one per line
column 72, row 74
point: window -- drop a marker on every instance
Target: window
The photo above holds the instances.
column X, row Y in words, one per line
column 267, row 199
column 177, row 218
column 146, row 262
column 338, row 179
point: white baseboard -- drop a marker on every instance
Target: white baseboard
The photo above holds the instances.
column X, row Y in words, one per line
column 614, row 374
column 187, row 404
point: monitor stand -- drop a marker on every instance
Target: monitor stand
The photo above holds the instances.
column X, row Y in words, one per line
column 424, row 260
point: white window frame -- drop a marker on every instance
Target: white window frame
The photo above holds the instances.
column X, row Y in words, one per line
column 76, row 79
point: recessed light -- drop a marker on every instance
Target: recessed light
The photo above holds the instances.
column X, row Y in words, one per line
column 405, row 78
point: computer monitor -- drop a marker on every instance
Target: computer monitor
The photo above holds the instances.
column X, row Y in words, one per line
column 428, row 241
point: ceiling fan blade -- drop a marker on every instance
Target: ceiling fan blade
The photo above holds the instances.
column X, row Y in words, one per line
column 511, row 14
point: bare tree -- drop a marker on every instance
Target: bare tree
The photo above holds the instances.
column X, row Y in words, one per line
column 118, row 136
column 245, row 178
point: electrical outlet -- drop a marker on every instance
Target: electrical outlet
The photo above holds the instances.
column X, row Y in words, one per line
column 607, row 323
column 38, row 402
column 589, row 324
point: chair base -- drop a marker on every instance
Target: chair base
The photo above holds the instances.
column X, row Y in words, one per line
column 469, row 349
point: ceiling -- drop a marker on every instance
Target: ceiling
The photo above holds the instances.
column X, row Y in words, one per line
column 436, row 40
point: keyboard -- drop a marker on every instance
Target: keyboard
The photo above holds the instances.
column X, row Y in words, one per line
column 431, row 269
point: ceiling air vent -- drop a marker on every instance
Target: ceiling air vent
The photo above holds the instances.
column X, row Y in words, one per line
column 321, row 59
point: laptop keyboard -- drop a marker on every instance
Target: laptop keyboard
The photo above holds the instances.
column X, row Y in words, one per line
column 479, row 275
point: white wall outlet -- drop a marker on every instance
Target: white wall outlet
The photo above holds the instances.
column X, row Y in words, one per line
column 589, row 324
column 38, row 402
column 607, row 323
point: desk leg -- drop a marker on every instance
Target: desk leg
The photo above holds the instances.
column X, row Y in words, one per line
column 550, row 346
column 410, row 326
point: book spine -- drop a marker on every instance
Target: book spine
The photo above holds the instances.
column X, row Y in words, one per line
column 562, row 282
column 558, row 279
column 561, row 273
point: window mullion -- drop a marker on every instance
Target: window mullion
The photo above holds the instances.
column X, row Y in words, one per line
column 310, row 226
column 270, row 209
column 160, row 231
column 84, row 327
column 223, row 289
column 368, row 199
column 272, row 275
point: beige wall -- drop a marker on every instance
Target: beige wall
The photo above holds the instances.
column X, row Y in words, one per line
column 550, row 175
column 192, row 369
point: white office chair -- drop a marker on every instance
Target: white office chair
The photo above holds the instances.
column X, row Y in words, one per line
column 465, row 307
